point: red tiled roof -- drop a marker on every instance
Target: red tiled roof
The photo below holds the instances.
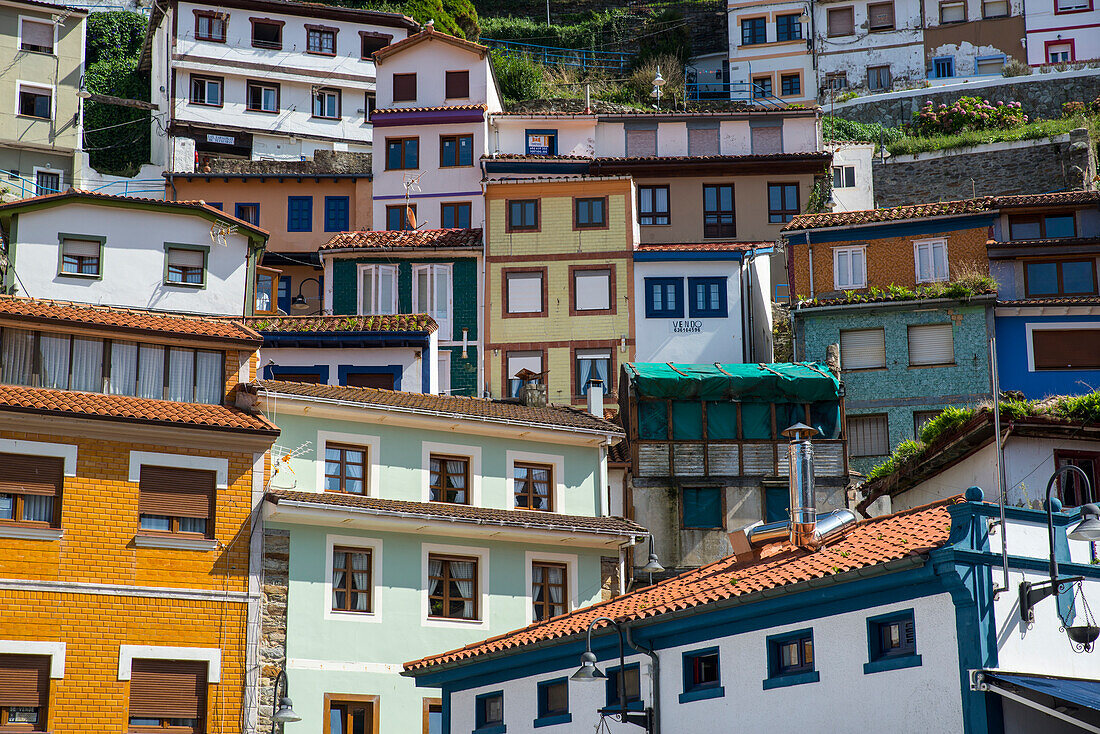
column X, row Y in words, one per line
column 31, row 311
column 424, row 35
column 442, row 108
column 418, row 239
column 866, row 298
column 73, row 404
column 701, row 246
column 1058, row 197
column 1054, row 301
column 532, row 519
column 550, row 416
column 619, row 453
column 526, row 157
column 865, row 544
column 671, row 159
column 321, row 324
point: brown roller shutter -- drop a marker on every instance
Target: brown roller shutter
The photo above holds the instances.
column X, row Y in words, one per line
column 881, row 15
column 1077, row 349
column 21, row 474
column 458, row 84
column 168, row 689
column 641, row 143
column 404, row 87
column 24, row 680
column 841, row 21
column 176, row 492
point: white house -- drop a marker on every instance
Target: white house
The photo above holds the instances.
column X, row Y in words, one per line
column 770, row 52
column 1060, row 31
column 868, row 45
column 140, row 253
column 853, row 179
column 262, row 79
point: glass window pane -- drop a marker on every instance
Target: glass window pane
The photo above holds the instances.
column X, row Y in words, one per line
column 1079, row 277
column 1042, row 278
column 1060, row 225
column 7, row 507
column 208, row 378
column 160, row 523
column 124, row 368
column 54, row 365
column 37, row 508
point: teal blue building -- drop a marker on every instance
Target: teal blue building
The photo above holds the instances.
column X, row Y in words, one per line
column 400, row 524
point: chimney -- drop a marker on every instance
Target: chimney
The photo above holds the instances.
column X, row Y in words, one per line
column 532, row 392
column 832, row 358
column 800, row 455
column 595, row 397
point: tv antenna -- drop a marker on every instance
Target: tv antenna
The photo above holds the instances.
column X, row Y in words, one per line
column 411, row 184
column 219, row 233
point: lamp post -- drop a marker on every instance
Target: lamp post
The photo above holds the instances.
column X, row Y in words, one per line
column 1088, row 530
column 652, row 566
column 588, row 672
column 298, row 303
column 282, row 711
column 658, row 82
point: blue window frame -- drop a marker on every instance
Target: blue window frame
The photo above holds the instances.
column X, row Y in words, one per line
column 702, row 675
column 702, row 508
column 788, row 27
column 316, row 373
column 336, row 213
column 553, row 702
column 707, row 298
column 754, row 30
column 632, row 680
column 489, row 713
column 791, row 659
column 541, row 142
column 664, row 298
column 284, row 293
column 299, row 214
column 216, row 204
column 891, row 642
column 248, row 211
column 943, row 67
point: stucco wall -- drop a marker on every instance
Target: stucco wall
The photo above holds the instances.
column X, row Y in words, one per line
column 406, row 362
column 1015, row 356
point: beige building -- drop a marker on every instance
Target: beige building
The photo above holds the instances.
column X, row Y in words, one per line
column 41, row 121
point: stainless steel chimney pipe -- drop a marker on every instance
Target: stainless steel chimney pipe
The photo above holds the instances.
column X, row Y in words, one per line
column 800, row 457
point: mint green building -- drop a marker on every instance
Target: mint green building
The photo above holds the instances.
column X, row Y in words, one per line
column 398, row 525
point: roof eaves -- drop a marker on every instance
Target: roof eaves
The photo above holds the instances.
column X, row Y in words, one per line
column 881, row 222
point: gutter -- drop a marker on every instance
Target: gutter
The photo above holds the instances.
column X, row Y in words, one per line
column 865, row 225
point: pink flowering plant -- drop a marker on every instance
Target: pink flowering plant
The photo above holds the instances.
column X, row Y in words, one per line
column 966, row 114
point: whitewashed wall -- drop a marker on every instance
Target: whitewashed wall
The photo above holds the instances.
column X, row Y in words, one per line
column 575, row 136
column 862, row 195
column 902, row 49
column 409, row 358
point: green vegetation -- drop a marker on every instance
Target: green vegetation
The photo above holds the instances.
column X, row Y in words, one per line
column 116, row 138
column 591, row 30
column 1030, row 131
column 836, row 128
column 967, row 283
column 518, row 75
column 903, row 452
column 456, row 17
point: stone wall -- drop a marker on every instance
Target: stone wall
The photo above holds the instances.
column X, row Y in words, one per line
column 1024, row 167
column 276, row 579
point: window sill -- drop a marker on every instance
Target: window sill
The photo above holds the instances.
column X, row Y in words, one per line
column 715, row 315
column 81, row 276
column 35, row 117
column 21, row 532
column 553, row 720
column 795, row 679
column 185, row 285
column 204, row 104
column 702, row 694
column 171, row 543
column 932, row 366
column 495, row 729
column 902, row 661
column 321, row 53
column 263, row 112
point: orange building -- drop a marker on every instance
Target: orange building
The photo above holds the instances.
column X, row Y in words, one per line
column 127, row 581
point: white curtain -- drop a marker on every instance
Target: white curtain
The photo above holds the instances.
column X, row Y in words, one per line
column 87, row 368
column 18, row 357
column 208, row 378
column 181, row 375
column 123, row 368
column 37, row 508
column 360, row 580
column 339, row 558
column 53, row 351
column 462, row 573
column 150, row 383
column 556, row 586
column 456, row 480
column 435, row 570
column 441, row 299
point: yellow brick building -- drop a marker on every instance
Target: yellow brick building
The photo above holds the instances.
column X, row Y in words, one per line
column 127, row 582
column 559, row 282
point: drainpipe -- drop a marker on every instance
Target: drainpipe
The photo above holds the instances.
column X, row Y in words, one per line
column 752, row 331
column 810, row 252
column 623, row 548
column 656, row 666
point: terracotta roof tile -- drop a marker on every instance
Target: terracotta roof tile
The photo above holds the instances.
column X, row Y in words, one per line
column 538, row 158
column 441, row 108
column 465, row 513
column 865, row 298
column 1054, row 301
column 1058, row 197
column 38, row 311
column 408, row 239
column 1059, row 242
column 424, row 35
column 865, row 544
column 550, row 416
column 701, row 246
column 326, row 324
column 74, row 404
column 671, row 159
column 619, row 453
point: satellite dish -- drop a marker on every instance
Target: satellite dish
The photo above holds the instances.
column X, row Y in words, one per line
column 410, row 218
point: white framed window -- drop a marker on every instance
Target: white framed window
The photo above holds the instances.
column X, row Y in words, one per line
column 377, row 289
column 1065, row 6
column 930, row 258
column 36, row 35
column 862, row 349
column 34, row 100
column 592, row 364
column 868, row 435
column 844, row 177
column 443, row 364
column 212, row 656
column 516, row 362
column 353, row 570
column 1059, row 53
column 524, row 292
column 370, row 444
column 931, row 344
column 432, row 295
column 556, row 463
column 464, row 452
column 849, row 268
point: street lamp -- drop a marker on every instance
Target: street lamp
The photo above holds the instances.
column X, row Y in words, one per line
column 282, row 711
column 298, row 303
column 653, row 565
column 588, row 672
column 658, row 82
column 1088, row 529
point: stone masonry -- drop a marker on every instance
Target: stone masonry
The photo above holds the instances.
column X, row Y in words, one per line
column 274, row 591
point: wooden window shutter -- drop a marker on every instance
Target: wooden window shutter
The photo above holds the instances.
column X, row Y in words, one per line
column 881, row 15
column 840, row 22
column 458, row 84
column 41, row 475
column 1056, row 349
column 169, row 689
column 24, row 680
column 404, row 87
column 176, row 492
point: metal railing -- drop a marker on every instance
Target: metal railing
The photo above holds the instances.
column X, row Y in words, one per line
column 618, row 61
column 22, row 187
column 746, row 92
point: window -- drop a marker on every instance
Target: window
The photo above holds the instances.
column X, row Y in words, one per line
column 702, row 675
column 922, row 418
column 753, row 31
column 878, row 78
column 404, row 87
column 24, row 692
column 840, row 21
column 377, row 289
column 350, row 714
column 336, row 213
column 707, row 298
column 46, row 182
column 370, row 103
column 185, row 266
column 320, row 40
column 455, row 215
column 1066, row 349
column 210, row 26
column 35, row 36
column 452, row 587
column 525, row 292
column 177, row 501
column 432, row 294
column 516, row 362
column 702, row 508
column 351, row 580
column 326, row 104
column 790, row 85
column 943, row 68
column 892, row 636
column 548, row 593
column 369, row 42
column 553, row 701
column 541, row 142
column 402, row 153
column 456, row 150
column 168, row 693
column 994, row 8
column 345, row 468
column 653, row 205
column 457, row 84
column 849, row 268
column 267, row 286
column 782, row 202
column 862, row 349
column 989, row 65
column 248, row 212
column 641, row 141
column 299, row 216
column 664, row 298
column 35, row 102
column 931, row 260
column 1072, row 6
column 81, row 256
column 632, row 687
column 952, row 11
column 489, row 712
column 868, row 435
column 262, row 97
column 590, row 213
column 791, row 654
column 1059, row 53
column 836, row 80
column 593, row 364
column 718, row 213
column 1060, row 278
column 931, row 344
column 788, row 27
column 267, row 33
column 30, row 492
column 433, row 716
column 1041, row 227
column 523, row 215
column 591, row 289
column 844, row 177
column 449, row 479
column 533, row 485
column 880, row 16
column 1071, row 490
column 761, row 87
column 401, row 218
column 206, row 90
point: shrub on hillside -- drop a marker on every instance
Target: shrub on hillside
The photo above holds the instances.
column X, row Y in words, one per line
column 1075, row 109
column 519, row 76
column 966, row 114
column 1015, row 67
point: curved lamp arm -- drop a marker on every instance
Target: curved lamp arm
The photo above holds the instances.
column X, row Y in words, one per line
column 622, row 655
column 1067, row 469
